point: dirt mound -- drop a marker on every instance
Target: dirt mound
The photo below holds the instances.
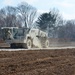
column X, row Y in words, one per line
column 43, row 62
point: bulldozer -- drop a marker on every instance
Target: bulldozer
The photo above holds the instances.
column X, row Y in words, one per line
column 25, row 37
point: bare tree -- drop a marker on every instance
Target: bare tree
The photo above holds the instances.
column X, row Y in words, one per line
column 67, row 30
column 10, row 19
column 2, row 17
column 26, row 14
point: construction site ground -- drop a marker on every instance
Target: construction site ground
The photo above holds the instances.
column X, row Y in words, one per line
column 53, row 61
column 38, row 62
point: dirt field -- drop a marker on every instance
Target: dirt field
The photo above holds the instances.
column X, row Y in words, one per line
column 39, row 62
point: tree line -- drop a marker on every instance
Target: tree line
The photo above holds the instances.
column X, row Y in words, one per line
column 53, row 23
column 24, row 15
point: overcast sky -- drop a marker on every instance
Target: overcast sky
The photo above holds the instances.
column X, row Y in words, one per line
column 66, row 7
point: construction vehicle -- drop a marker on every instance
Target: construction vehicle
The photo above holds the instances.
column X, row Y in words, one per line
column 25, row 37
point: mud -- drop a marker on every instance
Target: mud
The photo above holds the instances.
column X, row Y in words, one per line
column 38, row 62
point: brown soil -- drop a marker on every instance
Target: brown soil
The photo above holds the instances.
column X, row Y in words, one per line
column 38, row 62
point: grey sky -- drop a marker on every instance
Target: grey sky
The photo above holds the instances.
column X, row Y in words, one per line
column 66, row 7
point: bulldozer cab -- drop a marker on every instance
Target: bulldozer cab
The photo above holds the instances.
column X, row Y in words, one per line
column 9, row 33
column 20, row 33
